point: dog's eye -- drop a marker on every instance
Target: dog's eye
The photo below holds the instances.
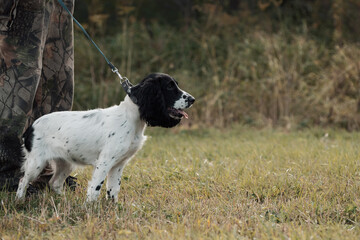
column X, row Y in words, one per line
column 171, row 86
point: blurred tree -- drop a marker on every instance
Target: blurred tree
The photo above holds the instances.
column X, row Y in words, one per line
column 329, row 20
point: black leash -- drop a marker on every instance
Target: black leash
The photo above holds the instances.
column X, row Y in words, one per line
column 125, row 83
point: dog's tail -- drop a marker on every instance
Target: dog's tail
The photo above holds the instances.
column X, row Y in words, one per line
column 28, row 137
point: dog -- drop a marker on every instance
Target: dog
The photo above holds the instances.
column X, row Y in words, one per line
column 104, row 138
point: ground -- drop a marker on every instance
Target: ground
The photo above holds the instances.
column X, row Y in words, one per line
column 239, row 183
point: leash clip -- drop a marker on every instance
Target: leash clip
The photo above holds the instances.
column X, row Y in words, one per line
column 125, row 83
column 115, row 70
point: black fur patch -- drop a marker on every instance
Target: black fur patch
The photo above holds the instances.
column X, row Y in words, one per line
column 154, row 96
column 111, row 134
column 28, row 138
column 89, row 115
column 98, row 187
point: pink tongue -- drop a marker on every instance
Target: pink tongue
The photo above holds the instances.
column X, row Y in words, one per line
column 184, row 114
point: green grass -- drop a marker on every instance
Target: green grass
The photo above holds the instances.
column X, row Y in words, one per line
column 238, row 183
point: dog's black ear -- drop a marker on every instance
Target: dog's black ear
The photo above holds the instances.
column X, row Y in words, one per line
column 152, row 106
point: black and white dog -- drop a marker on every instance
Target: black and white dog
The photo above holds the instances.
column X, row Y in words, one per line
column 105, row 138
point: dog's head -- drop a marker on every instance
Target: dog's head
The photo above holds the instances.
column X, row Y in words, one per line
column 161, row 102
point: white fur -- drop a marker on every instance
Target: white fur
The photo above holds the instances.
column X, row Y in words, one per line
column 105, row 138
column 183, row 101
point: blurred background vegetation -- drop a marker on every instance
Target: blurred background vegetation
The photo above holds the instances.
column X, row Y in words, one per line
column 287, row 63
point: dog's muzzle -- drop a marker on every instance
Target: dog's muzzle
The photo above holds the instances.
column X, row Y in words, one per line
column 180, row 113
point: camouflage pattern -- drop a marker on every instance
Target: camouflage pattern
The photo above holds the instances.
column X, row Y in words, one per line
column 36, row 54
column 36, row 67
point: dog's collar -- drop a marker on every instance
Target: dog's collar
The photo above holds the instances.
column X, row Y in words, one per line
column 127, row 85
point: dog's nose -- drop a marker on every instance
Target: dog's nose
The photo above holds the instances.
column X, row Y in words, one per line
column 191, row 100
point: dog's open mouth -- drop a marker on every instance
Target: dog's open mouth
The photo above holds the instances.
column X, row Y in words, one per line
column 177, row 113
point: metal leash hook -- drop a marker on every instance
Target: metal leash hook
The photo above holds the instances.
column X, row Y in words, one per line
column 125, row 83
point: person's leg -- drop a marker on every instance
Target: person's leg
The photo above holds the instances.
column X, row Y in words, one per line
column 55, row 91
column 23, row 28
column 36, row 75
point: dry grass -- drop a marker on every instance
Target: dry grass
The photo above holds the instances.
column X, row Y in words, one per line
column 210, row 184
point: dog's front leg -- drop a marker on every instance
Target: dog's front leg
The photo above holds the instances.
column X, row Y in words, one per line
column 96, row 182
column 101, row 169
column 106, row 161
column 114, row 181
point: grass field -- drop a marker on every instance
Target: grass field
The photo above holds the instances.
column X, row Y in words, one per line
column 238, row 183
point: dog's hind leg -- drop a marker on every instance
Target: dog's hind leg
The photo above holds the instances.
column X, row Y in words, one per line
column 114, row 181
column 32, row 168
column 62, row 170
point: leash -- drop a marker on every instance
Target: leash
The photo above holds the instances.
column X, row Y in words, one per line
column 125, row 83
